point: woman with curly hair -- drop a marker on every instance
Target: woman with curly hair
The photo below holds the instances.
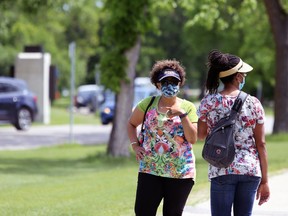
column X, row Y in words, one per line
column 166, row 158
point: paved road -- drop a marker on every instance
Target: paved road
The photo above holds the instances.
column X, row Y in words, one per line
column 39, row 136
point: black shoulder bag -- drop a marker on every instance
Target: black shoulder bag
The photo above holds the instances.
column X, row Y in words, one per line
column 219, row 148
column 141, row 135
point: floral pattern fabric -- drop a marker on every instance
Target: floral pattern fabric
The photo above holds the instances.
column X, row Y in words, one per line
column 168, row 153
column 216, row 106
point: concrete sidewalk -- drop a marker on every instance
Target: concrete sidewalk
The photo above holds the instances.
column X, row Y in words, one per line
column 276, row 206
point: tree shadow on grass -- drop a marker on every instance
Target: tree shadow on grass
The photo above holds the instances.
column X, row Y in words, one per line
column 62, row 166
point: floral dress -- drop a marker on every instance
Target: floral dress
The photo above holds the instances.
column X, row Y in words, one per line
column 168, row 153
column 214, row 107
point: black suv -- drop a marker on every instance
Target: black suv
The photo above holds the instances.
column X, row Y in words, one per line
column 18, row 105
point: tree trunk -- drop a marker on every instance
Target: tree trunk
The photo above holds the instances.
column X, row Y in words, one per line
column 279, row 24
column 119, row 143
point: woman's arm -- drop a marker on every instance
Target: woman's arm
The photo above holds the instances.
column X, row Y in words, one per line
column 263, row 191
column 134, row 121
column 190, row 130
column 202, row 130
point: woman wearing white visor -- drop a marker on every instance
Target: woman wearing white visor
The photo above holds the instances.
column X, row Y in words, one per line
column 236, row 185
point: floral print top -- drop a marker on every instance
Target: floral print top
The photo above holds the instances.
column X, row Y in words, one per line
column 246, row 162
column 168, row 153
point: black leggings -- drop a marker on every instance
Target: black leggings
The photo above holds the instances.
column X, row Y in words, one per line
column 151, row 189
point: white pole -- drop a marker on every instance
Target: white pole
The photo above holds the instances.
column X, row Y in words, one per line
column 97, row 74
column 72, row 47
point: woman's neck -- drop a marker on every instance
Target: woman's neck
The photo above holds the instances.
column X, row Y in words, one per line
column 230, row 90
column 167, row 102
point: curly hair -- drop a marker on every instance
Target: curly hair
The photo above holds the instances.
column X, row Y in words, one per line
column 217, row 62
column 167, row 64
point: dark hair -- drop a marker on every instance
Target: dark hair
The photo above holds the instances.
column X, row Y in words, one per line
column 217, row 62
column 167, row 64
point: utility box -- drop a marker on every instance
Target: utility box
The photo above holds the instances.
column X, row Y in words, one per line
column 34, row 68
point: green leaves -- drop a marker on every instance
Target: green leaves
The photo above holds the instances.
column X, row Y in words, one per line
column 181, row 29
column 113, row 64
column 127, row 20
column 52, row 24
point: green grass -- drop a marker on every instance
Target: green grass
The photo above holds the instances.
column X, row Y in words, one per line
column 60, row 114
column 269, row 111
column 277, row 148
column 66, row 180
column 82, row 180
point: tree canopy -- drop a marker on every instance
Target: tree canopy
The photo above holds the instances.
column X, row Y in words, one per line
column 105, row 31
column 185, row 30
column 53, row 25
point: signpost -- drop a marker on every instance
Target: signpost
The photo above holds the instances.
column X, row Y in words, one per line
column 72, row 47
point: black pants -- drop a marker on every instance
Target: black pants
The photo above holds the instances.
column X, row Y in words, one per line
column 152, row 189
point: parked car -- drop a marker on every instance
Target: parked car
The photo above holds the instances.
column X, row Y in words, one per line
column 143, row 88
column 90, row 96
column 18, row 105
column 108, row 107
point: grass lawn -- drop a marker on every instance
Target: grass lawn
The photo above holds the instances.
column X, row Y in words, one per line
column 82, row 180
column 60, row 114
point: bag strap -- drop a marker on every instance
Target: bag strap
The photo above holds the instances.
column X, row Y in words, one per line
column 239, row 101
column 150, row 103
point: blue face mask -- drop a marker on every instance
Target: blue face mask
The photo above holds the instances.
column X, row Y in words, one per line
column 169, row 89
column 241, row 85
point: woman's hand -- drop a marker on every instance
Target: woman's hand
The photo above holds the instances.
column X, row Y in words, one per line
column 139, row 151
column 175, row 111
column 263, row 193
